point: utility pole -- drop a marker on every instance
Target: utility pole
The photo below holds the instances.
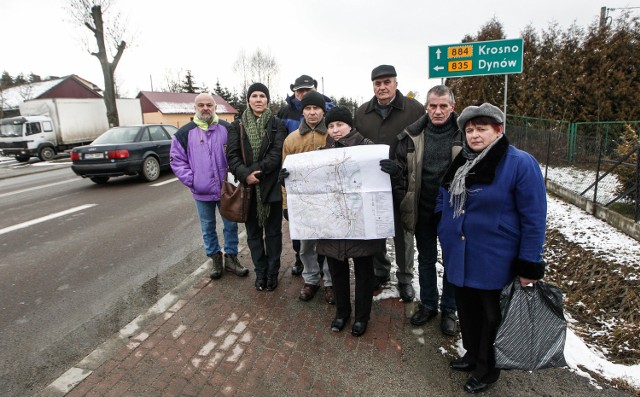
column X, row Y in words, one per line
column 603, row 16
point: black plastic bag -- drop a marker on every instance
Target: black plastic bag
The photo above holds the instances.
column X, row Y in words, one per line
column 533, row 328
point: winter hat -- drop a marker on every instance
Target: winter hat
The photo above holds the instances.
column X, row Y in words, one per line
column 339, row 113
column 383, row 71
column 258, row 87
column 486, row 109
column 303, row 81
column 312, row 98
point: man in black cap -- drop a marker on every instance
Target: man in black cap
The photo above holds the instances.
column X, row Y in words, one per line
column 381, row 120
column 291, row 116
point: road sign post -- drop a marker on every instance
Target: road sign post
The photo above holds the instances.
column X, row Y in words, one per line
column 476, row 58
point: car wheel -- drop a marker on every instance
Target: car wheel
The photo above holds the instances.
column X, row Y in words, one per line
column 47, row 153
column 150, row 169
column 100, row 180
column 23, row 158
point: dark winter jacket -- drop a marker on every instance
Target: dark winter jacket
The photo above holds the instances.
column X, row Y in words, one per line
column 501, row 230
column 409, row 189
column 268, row 160
column 343, row 249
column 291, row 114
column 403, row 112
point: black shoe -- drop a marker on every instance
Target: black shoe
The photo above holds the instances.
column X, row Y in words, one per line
column 460, row 364
column 359, row 328
column 338, row 324
column 272, row 283
column 423, row 316
column 380, row 281
column 448, row 323
column 473, row 385
column 261, row 283
column 297, row 267
column 406, row 292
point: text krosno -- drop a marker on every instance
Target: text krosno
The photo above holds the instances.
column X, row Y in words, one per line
column 483, row 50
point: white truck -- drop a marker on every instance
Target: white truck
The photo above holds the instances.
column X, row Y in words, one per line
column 48, row 126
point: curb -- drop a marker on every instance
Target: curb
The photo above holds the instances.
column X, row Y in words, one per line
column 75, row 375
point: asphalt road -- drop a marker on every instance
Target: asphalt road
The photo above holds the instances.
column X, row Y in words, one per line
column 79, row 261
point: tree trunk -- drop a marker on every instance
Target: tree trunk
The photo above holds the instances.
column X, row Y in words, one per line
column 108, row 68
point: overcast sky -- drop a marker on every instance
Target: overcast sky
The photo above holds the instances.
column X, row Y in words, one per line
column 336, row 42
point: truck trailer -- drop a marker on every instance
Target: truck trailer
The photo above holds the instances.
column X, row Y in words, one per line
column 46, row 127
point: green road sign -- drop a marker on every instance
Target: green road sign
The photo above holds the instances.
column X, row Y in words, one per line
column 476, row 58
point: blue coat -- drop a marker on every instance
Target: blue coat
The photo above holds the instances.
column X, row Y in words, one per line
column 501, row 231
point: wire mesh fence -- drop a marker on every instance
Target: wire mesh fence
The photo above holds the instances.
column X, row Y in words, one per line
column 599, row 161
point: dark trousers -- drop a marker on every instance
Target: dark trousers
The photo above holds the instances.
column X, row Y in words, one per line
column 427, row 245
column 479, row 315
column 363, row 269
column 265, row 242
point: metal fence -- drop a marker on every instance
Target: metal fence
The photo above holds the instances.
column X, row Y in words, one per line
column 600, row 161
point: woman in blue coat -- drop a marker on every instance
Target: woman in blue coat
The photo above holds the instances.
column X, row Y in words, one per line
column 493, row 218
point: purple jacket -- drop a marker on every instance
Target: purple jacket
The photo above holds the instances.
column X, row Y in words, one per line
column 199, row 160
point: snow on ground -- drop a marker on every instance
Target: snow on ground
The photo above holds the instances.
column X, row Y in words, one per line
column 594, row 235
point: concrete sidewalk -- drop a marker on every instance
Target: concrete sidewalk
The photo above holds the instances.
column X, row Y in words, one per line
column 223, row 337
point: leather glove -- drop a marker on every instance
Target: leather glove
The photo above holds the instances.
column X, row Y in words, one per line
column 282, row 175
column 390, row 167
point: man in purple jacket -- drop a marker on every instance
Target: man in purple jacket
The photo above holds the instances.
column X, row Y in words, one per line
column 199, row 161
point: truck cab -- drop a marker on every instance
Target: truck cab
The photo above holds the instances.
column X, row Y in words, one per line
column 27, row 136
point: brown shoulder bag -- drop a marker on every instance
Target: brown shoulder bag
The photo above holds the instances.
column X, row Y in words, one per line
column 235, row 200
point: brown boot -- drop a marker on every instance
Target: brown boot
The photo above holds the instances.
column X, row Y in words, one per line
column 329, row 296
column 308, row 292
column 216, row 273
column 231, row 264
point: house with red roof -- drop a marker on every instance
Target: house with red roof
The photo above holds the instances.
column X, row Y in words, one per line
column 71, row 86
column 176, row 108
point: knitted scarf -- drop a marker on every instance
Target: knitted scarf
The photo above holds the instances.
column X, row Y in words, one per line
column 458, row 189
column 256, row 129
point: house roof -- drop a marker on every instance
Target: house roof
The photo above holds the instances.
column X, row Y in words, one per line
column 182, row 102
column 11, row 97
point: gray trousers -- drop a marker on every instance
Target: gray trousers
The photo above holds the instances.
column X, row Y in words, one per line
column 309, row 258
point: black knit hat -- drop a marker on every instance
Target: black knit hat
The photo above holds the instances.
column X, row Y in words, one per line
column 339, row 113
column 312, row 98
column 258, row 87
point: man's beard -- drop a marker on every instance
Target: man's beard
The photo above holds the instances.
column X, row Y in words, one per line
column 205, row 117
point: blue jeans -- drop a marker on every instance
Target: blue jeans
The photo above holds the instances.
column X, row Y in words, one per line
column 427, row 245
column 207, row 216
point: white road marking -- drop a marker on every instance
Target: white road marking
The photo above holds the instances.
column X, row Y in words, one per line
column 45, row 218
column 165, row 182
column 38, row 187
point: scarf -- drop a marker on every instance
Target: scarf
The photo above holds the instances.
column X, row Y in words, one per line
column 256, row 129
column 203, row 124
column 458, row 189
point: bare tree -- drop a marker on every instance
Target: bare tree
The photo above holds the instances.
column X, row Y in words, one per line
column 260, row 67
column 90, row 13
column 172, row 80
column 241, row 66
column 263, row 67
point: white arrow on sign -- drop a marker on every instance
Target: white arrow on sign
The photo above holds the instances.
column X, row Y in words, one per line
column 438, row 68
column 438, row 52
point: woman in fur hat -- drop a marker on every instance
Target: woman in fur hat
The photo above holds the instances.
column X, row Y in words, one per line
column 493, row 218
